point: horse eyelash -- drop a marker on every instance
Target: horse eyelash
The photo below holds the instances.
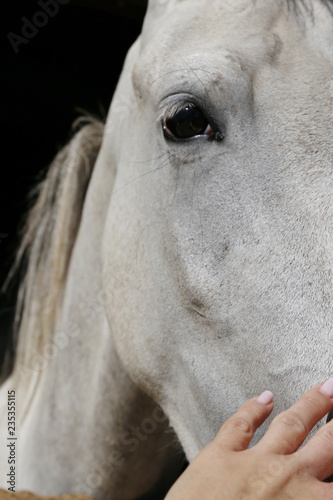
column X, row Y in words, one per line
column 173, row 110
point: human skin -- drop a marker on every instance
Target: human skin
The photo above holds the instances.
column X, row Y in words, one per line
column 276, row 468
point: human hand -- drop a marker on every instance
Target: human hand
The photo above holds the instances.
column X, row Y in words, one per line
column 275, row 468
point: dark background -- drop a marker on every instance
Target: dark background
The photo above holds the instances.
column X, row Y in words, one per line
column 72, row 62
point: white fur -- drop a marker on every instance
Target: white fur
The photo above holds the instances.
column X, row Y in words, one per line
column 206, row 266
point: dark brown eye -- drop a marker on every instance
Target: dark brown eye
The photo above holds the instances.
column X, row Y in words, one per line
column 186, row 122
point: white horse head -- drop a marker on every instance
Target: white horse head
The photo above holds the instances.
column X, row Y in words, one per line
column 202, row 269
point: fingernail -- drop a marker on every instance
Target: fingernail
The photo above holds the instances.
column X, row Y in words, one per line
column 327, row 388
column 265, row 398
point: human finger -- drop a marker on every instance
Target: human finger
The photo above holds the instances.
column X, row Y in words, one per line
column 317, row 455
column 237, row 432
column 290, row 428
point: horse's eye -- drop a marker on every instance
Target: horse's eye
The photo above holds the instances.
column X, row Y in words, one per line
column 187, row 121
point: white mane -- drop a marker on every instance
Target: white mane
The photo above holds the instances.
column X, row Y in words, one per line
column 48, row 238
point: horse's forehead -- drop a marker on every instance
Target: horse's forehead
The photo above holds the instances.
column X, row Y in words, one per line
column 210, row 34
column 180, row 23
column 157, row 8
